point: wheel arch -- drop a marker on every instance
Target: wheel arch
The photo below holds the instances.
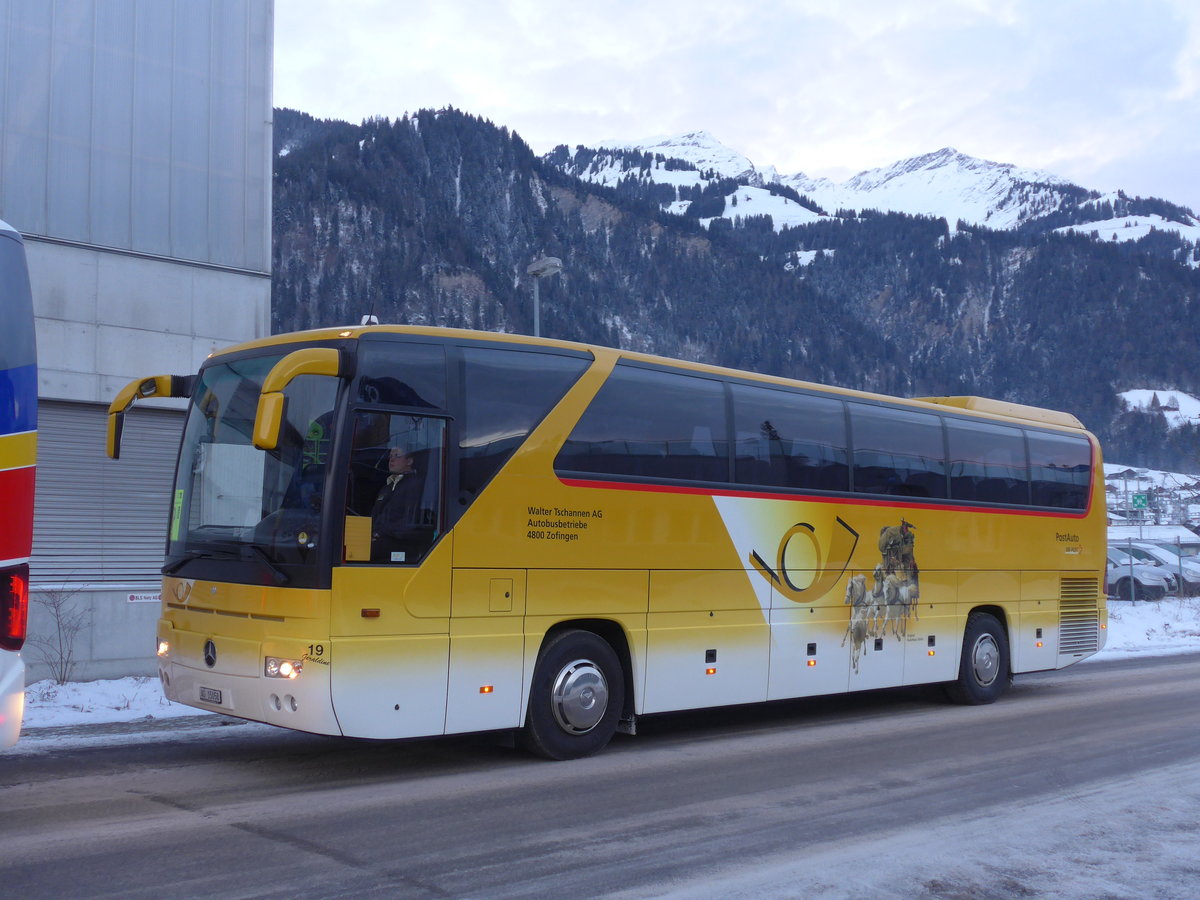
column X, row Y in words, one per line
column 612, row 633
column 996, row 612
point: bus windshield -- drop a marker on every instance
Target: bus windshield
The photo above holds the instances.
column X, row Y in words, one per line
column 232, row 501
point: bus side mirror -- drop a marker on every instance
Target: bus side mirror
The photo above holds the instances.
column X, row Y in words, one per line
column 141, row 389
column 269, row 419
column 272, row 404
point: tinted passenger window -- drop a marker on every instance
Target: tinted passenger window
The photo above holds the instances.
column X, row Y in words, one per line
column 398, row 373
column 987, row 462
column 652, row 424
column 789, row 440
column 507, row 393
column 897, row 451
column 1061, row 468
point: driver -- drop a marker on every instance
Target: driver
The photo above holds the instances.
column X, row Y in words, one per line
column 396, row 535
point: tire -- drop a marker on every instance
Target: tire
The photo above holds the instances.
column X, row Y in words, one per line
column 576, row 697
column 984, row 671
column 1127, row 590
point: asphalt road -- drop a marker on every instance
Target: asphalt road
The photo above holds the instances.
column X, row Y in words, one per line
column 887, row 793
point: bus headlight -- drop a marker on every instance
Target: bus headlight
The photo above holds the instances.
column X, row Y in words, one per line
column 283, row 668
column 163, row 648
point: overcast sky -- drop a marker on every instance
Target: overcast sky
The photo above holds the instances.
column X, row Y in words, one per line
column 1105, row 93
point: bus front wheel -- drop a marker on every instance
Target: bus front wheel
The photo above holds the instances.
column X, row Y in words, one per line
column 576, row 697
column 983, row 669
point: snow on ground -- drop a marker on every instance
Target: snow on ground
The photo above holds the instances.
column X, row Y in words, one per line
column 1177, row 407
column 753, row 201
column 49, row 705
column 1152, row 628
column 1132, row 228
column 1155, row 628
column 805, row 257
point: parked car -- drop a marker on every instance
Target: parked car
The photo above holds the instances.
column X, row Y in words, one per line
column 1154, row 554
column 1128, row 579
column 1189, row 552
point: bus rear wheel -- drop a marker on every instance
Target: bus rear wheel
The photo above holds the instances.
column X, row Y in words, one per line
column 576, row 697
column 983, row 668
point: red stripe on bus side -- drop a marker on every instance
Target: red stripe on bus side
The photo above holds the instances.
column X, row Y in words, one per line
column 16, row 510
column 844, row 500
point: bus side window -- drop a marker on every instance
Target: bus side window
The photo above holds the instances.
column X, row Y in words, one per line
column 789, row 440
column 987, row 462
column 1061, row 468
column 506, row 394
column 652, row 424
column 898, row 452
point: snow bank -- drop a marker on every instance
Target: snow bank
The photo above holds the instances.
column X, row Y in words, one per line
column 1152, row 628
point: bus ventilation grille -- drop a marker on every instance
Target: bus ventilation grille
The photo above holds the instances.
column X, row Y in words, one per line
column 1080, row 589
column 1079, row 616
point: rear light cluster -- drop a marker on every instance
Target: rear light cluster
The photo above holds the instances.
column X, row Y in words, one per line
column 14, row 606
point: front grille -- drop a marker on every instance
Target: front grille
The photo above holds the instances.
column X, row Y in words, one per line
column 1078, row 616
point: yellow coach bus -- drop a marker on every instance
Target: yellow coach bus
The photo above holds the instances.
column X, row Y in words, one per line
column 391, row 532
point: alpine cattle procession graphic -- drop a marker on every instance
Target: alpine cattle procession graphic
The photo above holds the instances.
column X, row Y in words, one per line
column 892, row 598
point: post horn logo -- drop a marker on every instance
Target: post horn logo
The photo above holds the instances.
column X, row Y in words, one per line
column 832, row 565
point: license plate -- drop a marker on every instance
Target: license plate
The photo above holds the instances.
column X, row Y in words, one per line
column 210, row 695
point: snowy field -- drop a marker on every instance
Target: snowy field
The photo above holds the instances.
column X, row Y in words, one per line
column 1171, row 625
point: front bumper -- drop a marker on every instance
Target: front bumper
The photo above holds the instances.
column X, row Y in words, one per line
column 226, row 675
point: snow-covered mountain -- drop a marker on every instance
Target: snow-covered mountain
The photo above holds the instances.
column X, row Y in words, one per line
column 700, row 149
column 944, row 184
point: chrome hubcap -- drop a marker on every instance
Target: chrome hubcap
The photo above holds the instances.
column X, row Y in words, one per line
column 985, row 659
column 579, row 696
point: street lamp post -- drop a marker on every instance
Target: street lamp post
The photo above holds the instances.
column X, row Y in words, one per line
column 539, row 269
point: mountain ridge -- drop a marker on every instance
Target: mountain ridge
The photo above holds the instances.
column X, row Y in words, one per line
column 434, row 218
column 944, row 183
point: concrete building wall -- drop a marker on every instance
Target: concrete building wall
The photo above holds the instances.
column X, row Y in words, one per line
column 135, row 158
column 140, row 125
column 105, row 318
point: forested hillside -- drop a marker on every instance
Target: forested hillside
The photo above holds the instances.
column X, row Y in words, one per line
column 433, row 219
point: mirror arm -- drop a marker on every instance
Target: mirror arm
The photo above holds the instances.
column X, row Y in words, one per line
column 142, row 389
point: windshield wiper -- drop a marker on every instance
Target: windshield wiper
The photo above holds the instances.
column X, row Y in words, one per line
column 281, row 577
column 277, row 574
column 172, row 568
